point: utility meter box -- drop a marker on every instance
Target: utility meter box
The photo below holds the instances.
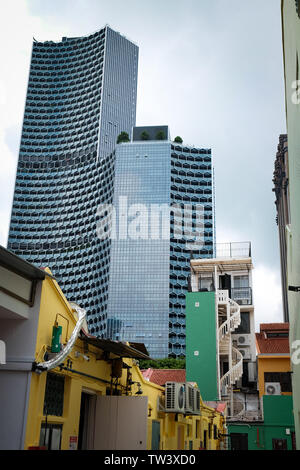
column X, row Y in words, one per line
column 56, row 336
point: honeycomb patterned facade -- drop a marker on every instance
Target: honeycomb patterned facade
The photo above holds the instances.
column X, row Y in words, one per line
column 81, row 94
column 192, row 184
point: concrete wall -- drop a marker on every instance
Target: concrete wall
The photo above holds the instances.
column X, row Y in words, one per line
column 14, row 392
column 15, row 376
column 291, row 50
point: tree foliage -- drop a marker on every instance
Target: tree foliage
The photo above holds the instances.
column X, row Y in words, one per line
column 178, row 140
column 167, row 363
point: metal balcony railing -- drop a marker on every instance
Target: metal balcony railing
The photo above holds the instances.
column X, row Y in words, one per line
column 225, row 250
column 233, row 250
column 241, row 295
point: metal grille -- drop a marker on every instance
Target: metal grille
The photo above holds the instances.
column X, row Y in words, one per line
column 170, row 396
column 54, row 395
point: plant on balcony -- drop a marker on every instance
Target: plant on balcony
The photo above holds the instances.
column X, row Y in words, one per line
column 123, row 137
column 178, row 140
column 160, row 135
column 145, row 135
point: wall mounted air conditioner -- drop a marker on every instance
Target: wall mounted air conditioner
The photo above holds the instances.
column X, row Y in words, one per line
column 175, row 397
column 246, row 353
column 272, row 388
column 189, row 398
column 243, row 340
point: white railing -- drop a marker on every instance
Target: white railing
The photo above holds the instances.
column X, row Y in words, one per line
column 232, row 322
column 234, row 319
column 222, row 296
column 235, row 372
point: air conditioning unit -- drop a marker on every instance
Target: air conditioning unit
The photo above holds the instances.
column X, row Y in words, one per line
column 189, row 398
column 272, row 388
column 245, row 353
column 243, row 340
column 197, row 402
column 175, row 397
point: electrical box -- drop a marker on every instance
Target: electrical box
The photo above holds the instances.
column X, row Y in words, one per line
column 56, row 338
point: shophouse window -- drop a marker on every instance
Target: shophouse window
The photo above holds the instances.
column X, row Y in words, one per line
column 284, row 378
column 206, row 283
column 54, row 395
column 244, row 327
column 241, row 281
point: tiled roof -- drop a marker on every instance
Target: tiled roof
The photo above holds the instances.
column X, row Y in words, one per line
column 219, row 406
column 274, row 345
column 274, row 326
column 161, row 376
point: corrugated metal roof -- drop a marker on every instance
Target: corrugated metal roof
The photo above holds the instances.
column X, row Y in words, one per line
column 116, row 347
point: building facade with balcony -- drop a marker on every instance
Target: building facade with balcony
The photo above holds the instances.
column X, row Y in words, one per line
column 221, row 353
column 81, row 94
column 164, row 207
column 276, row 429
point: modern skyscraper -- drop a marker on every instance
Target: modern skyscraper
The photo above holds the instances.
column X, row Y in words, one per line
column 151, row 250
column 81, row 94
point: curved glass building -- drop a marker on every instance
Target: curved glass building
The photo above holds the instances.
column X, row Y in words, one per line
column 152, row 247
column 81, row 94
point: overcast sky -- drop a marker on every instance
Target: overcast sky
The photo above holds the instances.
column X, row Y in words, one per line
column 210, row 69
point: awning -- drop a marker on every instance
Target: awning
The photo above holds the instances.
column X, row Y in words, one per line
column 116, row 347
column 223, row 265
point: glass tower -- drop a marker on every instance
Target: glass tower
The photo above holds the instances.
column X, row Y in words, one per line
column 81, row 94
column 150, row 250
